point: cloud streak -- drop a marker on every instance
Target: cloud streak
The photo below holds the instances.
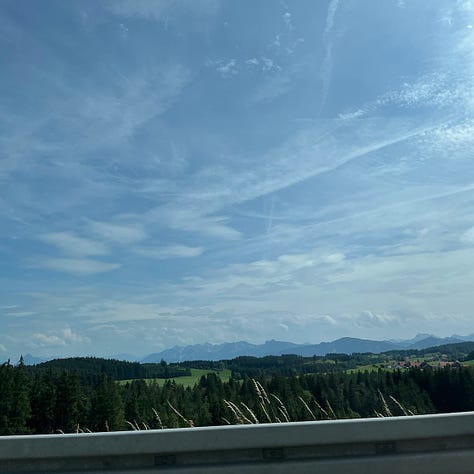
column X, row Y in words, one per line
column 183, row 216
column 118, row 233
column 162, row 10
column 58, row 338
column 171, row 251
column 74, row 266
column 171, row 174
column 327, row 65
column 71, row 244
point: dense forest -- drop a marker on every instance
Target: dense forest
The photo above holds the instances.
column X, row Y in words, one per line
column 116, row 369
column 81, row 394
column 250, row 366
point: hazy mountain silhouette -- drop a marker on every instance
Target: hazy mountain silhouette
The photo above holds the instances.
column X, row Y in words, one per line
column 345, row 345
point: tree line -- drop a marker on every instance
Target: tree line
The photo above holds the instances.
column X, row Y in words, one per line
column 39, row 400
column 286, row 365
column 116, row 369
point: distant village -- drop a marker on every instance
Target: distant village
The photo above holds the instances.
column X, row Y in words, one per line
column 436, row 362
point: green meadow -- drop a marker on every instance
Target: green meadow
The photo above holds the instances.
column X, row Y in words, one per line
column 188, row 380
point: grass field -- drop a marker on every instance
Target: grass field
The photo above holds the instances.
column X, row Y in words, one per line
column 189, row 380
column 363, row 368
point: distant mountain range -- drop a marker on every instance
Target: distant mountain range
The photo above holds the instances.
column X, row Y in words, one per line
column 230, row 350
column 345, row 345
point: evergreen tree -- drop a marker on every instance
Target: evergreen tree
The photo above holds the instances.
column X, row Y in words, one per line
column 20, row 400
column 6, row 398
column 107, row 411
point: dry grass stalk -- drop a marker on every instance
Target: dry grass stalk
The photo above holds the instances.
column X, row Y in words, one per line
column 385, row 405
column 251, row 413
column 262, row 406
column 282, row 409
column 134, row 428
column 157, row 415
column 307, row 407
column 237, row 412
column 322, row 410
column 262, row 394
column 190, row 423
column 331, row 411
column 399, row 405
column 257, row 389
column 285, row 416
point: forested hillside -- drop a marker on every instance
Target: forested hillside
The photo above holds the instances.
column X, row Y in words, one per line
column 51, row 398
column 116, row 369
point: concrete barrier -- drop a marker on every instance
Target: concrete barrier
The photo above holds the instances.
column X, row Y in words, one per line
column 434, row 444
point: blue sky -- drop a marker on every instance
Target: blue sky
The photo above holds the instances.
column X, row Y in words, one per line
column 178, row 172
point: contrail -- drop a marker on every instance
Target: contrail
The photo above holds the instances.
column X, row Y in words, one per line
column 326, row 67
column 330, row 17
column 270, row 216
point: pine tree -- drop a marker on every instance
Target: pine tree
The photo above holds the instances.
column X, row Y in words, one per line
column 107, row 410
column 6, row 400
column 20, row 401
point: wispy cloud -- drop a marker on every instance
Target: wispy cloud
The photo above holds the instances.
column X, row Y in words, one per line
column 118, row 233
column 468, row 236
column 74, row 266
column 20, row 314
column 47, row 340
column 168, row 131
column 232, row 67
column 305, row 156
column 76, row 250
column 104, row 113
column 57, row 338
column 306, row 284
column 170, row 251
column 272, row 88
column 111, row 115
column 71, row 244
column 80, row 125
column 288, row 22
column 261, row 277
column 116, row 310
column 437, row 89
column 327, row 65
column 228, row 69
column 311, row 153
column 163, row 10
column 183, row 216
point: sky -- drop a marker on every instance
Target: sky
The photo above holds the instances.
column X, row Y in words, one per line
column 192, row 171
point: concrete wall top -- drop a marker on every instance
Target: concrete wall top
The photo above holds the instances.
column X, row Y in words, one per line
column 239, row 436
column 435, row 444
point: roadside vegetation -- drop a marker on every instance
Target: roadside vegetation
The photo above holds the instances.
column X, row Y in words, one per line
column 92, row 394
